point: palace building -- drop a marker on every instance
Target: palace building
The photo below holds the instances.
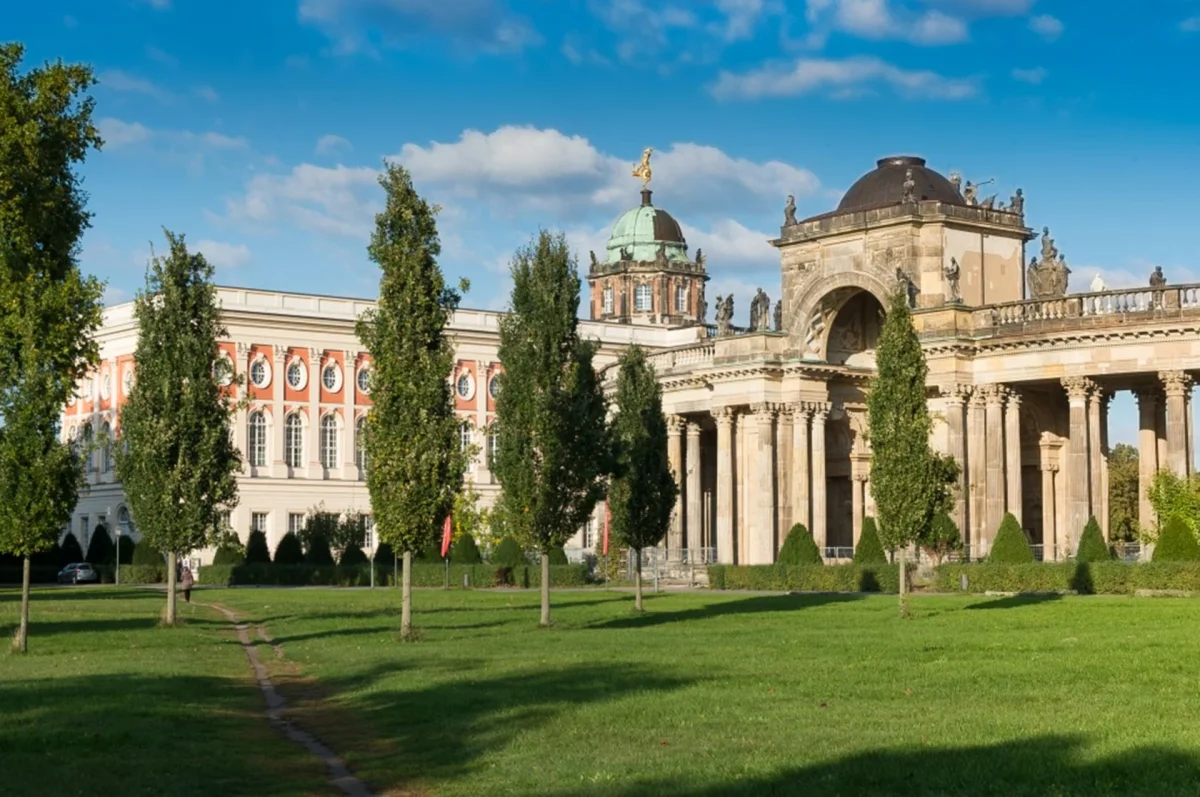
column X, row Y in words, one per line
column 768, row 424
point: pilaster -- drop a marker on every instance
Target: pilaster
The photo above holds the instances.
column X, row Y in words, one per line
column 279, row 468
column 1049, row 512
column 349, row 420
column 316, row 470
column 956, row 426
column 783, row 473
column 241, row 433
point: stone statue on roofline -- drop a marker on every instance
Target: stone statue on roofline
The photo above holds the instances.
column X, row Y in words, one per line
column 779, row 316
column 789, row 212
column 951, row 272
column 1048, row 279
column 1157, row 279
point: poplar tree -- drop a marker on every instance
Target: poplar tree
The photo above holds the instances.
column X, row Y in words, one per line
column 49, row 311
column 553, row 443
column 909, row 481
column 175, row 455
column 643, row 491
column 412, row 432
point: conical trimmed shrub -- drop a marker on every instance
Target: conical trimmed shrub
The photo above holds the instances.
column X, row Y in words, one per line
column 465, row 551
column 558, row 556
column 228, row 555
column 1176, row 543
column 318, row 552
column 289, row 552
column 144, row 554
column 1010, row 546
column 869, row 550
column 1092, row 547
column 257, row 550
column 508, row 553
column 126, row 550
column 384, row 555
column 101, row 550
column 69, row 551
column 799, row 548
column 353, row 557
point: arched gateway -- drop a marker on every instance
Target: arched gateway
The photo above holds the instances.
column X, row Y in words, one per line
column 768, row 424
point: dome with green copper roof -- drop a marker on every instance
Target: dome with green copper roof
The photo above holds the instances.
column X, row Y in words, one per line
column 639, row 234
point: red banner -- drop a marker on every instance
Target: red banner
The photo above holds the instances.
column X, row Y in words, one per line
column 607, row 518
column 446, row 538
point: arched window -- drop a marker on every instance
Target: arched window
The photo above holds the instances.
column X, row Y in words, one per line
column 293, row 440
column 256, row 444
column 360, row 448
column 641, row 299
column 106, row 447
column 124, row 522
column 329, row 441
column 464, row 435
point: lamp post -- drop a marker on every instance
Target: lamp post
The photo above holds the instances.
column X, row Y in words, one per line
column 117, row 570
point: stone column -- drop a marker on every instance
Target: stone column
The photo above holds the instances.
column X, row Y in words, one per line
column 956, row 398
column 1095, row 454
column 858, row 500
column 1103, row 518
column 820, row 412
column 694, row 522
column 783, row 474
column 278, row 466
column 1012, row 450
column 744, row 477
column 675, row 425
column 1049, row 544
column 977, row 470
column 762, row 532
column 800, row 466
column 1078, row 478
column 241, row 435
column 315, row 469
column 1177, row 386
column 1148, row 400
column 1160, row 431
column 994, row 397
column 1189, row 418
column 349, row 421
column 725, row 458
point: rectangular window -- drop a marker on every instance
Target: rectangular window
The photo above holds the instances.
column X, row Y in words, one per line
column 295, row 522
column 608, row 301
column 681, row 297
column 369, row 536
column 258, row 522
column 226, row 521
column 464, row 435
column 83, row 523
column 491, row 449
column 589, row 534
column 641, row 299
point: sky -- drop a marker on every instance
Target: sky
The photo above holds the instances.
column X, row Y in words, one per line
column 258, row 129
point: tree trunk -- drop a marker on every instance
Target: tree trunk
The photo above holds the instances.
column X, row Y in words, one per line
column 22, row 640
column 406, row 597
column 637, row 583
column 900, row 559
column 171, row 560
column 545, row 589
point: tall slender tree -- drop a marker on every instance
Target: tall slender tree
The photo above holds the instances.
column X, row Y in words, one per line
column 643, row 490
column 554, row 449
column 175, row 457
column 48, row 310
column 910, row 482
column 412, row 433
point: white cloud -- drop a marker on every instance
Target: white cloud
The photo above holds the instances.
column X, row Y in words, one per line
column 329, row 144
column 985, row 8
column 207, row 93
column 1033, row 76
column 223, row 255
column 117, row 80
column 331, row 201
column 117, row 133
column 879, row 20
column 1190, row 25
column 843, row 78
column 478, row 25
column 1046, row 26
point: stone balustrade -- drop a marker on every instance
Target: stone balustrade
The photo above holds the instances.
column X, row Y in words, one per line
column 1087, row 309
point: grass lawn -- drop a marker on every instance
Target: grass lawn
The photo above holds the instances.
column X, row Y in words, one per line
column 107, row 703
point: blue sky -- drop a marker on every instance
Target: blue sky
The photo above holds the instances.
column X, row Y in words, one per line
column 256, row 128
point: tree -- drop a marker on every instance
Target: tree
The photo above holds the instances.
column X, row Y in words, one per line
column 942, row 537
column 800, row 548
column 178, row 464
column 69, row 551
column 412, row 432
column 319, row 533
column 1175, row 497
column 101, row 550
column 257, row 550
column 1010, row 546
column 1176, row 543
column 553, row 444
column 508, row 553
column 289, row 551
column 869, row 550
column 351, row 531
column 465, row 551
column 642, row 494
column 48, row 309
column 469, row 518
column 1092, row 547
column 1123, row 493
column 911, row 483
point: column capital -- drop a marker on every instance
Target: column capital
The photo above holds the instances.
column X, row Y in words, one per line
column 994, row 394
column 314, row 357
column 799, row 410
column 820, row 410
column 1147, row 395
column 243, row 349
column 279, row 353
column 675, row 424
column 1176, row 383
column 481, row 367
column 764, row 410
column 1014, row 400
column 1049, row 467
column 956, row 393
column 1078, row 387
column 724, row 416
column 693, row 429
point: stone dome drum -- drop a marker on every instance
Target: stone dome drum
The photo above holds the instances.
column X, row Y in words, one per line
column 885, row 185
column 640, row 232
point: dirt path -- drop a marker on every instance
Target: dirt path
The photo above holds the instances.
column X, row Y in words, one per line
column 339, row 774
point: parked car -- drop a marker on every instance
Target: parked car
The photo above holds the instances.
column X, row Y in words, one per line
column 81, row 573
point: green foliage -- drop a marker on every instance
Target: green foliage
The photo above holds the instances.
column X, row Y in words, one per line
column 553, row 445
column 146, row 554
column 869, row 550
column 806, row 578
column 257, row 550
column 1123, row 498
column 126, row 550
column 412, row 431
column 799, row 548
column 558, row 557
column 351, row 531
column 1099, row 578
column 1174, row 497
column 1010, row 546
column 1092, row 547
column 289, row 551
column 642, row 494
column 318, row 534
column 50, row 311
column 353, row 557
column 384, row 554
column 1176, row 543
column 101, row 550
column 465, row 551
column 423, row 575
column 468, row 517
column 910, row 483
column 69, row 551
column 228, row 556
column 508, row 552
column 178, row 464
column 942, row 537
column 144, row 573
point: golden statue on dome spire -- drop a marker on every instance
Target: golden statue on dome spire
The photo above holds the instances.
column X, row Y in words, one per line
column 642, row 170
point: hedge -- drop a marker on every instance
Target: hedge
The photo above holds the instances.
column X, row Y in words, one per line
column 806, row 578
column 423, row 575
column 1099, row 578
column 38, row 574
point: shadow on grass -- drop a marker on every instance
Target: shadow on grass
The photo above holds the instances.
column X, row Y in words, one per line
column 70, row 592
column 1058, row 765
column 1014, row 601
column 754, row 605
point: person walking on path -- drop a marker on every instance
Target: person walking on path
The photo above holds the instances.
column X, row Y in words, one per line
column 186, row 582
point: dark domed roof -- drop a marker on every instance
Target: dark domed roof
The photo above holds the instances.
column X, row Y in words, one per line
column 885, row 185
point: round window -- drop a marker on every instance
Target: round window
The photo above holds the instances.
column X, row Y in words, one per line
column 223, row 371
column 127, row 379
column 260, row 375
column 494, row 386
column 106, row 387
column 463, row 386
column 330, row 378
column 364, row 380
column 295, row 375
